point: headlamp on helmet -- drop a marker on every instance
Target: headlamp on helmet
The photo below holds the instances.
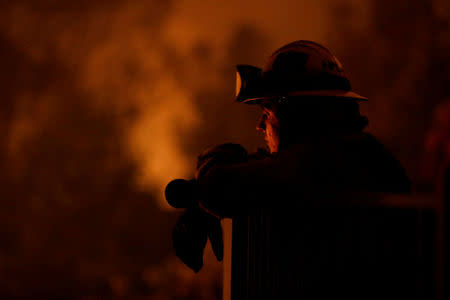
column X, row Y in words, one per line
column 248, row 82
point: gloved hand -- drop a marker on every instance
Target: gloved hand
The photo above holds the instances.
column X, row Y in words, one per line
column 189, row 239
column 224, row 154
column 196, row 225
column 221, row 155
column 190, row 234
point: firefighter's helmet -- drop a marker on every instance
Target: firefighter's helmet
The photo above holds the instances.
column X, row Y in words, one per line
column 301, row 68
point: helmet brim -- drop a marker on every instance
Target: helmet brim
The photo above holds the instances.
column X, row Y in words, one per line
column 321, row 93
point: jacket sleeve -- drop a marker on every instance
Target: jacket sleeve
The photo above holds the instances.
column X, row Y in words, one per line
column 228, row 190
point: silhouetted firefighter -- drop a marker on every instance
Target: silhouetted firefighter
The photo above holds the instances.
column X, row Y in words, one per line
column 314, row 131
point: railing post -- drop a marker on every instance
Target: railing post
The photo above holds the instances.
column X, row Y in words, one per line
column 227, row 227
column 446, row 234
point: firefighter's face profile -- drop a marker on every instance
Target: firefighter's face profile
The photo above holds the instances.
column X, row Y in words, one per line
column 270, row 126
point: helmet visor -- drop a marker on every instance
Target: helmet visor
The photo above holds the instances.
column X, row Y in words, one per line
column 254, row 87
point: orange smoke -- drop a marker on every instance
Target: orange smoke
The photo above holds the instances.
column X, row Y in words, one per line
column 104, row 102
column 155, row 138
column 117, row 59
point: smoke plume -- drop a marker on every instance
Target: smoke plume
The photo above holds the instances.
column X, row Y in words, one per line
column 104, row 102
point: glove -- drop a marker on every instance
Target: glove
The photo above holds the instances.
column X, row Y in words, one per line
column 190, row 234
column 189, row 239
column 196, row 225
column 224, row 154
column 260, row 153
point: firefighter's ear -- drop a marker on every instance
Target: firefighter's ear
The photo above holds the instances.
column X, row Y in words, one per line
column 261, row 126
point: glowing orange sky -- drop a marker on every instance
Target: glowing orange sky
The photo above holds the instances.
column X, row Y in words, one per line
column 284, row 21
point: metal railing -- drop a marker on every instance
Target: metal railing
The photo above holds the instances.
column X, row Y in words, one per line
column 360, row 246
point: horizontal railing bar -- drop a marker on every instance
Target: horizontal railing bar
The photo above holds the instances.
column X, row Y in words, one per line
column 416, row 200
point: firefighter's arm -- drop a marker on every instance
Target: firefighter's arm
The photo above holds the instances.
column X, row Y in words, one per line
column 231, row 189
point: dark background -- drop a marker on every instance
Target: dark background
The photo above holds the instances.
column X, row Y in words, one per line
column 104, row 102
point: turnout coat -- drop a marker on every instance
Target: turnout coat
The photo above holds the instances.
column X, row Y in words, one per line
column 299, row 231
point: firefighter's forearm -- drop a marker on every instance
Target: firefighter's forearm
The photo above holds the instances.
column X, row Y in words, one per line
column 234, row 189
